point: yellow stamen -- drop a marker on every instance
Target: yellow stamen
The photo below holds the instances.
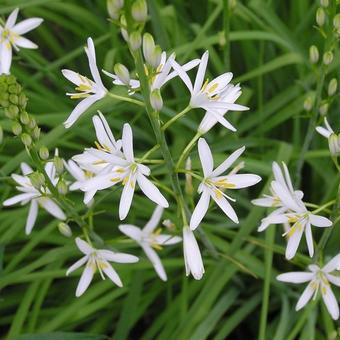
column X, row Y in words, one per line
column 205, row 85
column 212, row 88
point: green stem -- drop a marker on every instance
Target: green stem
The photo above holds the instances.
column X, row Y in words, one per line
column 187, row 150
column 324, row 206
column 125, row 99
column 148, row 153
column 226, row 26
column 174, row 118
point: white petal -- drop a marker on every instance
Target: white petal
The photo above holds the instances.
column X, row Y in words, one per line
column 333, row 264
column 276, row 218
column 333, row 279
column 330, row 301
column 295, row 277
column 154, row 220
column 19, row 198
column 25, row 43
column 293, row 242
column 100, row 182
column 219, row 118
column 223, row 203
column 85, row 280
column 12, row 18
column 72, row 76
column 77, row 265
column 200, row 210
column 27, row 25
column 322, row 131
column 91, row 55
column 206, row 158
column 132, row 231
column 151, row 191
column 74, row 170
column 228, row 162
column 111, row 274
column 287, row 177
column 127, row 140
column 306, row 296
column 83, row 246
column 80, row 109
column 309, row 239
column 241, row 180
column 103, row 132
column 166, row 240
column 156, row 262
column 285, row 196
column 53, row 208
column 126, row 197
column 182, row 74
column 32, row 216
column 319, row 221
column 5, row 57
column 278, row 175
column 201, row 72
column 264, row 202
column 25, row 168
column 109, row 255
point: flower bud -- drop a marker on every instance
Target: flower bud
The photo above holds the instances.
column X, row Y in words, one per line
column 135, row 40
column 26, row 139
column 313, row 54
column 332, row 87
column 123, row 30
column 327, row 57
column 36, row 133
column 113, row 8
column 1, row 134
column 122, row 73
column 32, row 123
column 12, row 111
column 308, row 103
column 22, row 100
column 323, row 109
column 139, row 11
column 189, row 189
column 64, row 229
column 334, row 144
column 169, row 224
column 16, row 128
column 37, row 179
column 59, row 164
column 156, row 57
column 24, row 118
column 148, row 47
column 336, row 21
column 324, row 3
column 320, row 16
column 14, row 99
column 62, row 187
column 156, row 100
column 43, row 153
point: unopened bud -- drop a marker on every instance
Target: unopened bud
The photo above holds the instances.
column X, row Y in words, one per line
column 59, row 164
column 32, row 123
column 113, row 8
column 14, row 99
column 334, row 144
column 313, row 54
column 327, row 57
column 135, row 40
column 139, row 11
column 37, row 179
column 24, row 118
column 12, row 111
column 169, row 224
column 189, row 189
column 123, row 30
column 332, row 87
column 26, row 139
column 320, row 16
column 308, row 103
column 156, row 57
column 323, row 109
column 148, row 47
column 122, row 73
column 324, row 3
column 156, row 100
column 1, row 134
column 36, row 133
column 62, row 187
column 16, row 128
column 336, row 21
column 64, row 229
column 43, row 153
column 22, row 100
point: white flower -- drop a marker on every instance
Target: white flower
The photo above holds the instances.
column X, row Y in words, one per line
column 89, row 91
column 213, row 184
column 292, row 210
column 98, row 259
column 333, row 138
column 192, row 255
column 126, row 171
column 216, row 97
column 11, row 36
column 35, row 196
column 319, row 279
column 148, row 239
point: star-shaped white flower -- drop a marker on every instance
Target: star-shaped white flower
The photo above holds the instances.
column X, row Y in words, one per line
column 35, row 196
column 216, row 97
column 11, row 36
column 319, row 280
column 149, row 239
column 89, row 91
column 213, row 184
column 98, row 259
column 128, row 172
column 192, row 255
column 333, row 138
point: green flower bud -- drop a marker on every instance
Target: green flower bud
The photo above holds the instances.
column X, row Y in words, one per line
column 16, row 128
column 122, row 73
column 59, row 164
column 12, row 111
column 334, row 144
column 5, row 104
column 22, row 100
column 320, row 16
column 148, row 47
column 327, row 58
column 156, row 57
column 1, row 134
column 308, row 103
column 135, row 40
column 36, row 133
column 324, row 3
column 10, row 79
column 156, row 100
column 26, row 139
column 336, row 21
column 43, row 153
column 64, row 229
column 189, row 189
column 14, row 99
column 62, row 187
column 32, row 123
column 24, row 118
column 323, row 109
column 123, row 31
column 139, row 10
column 332, row 87
column 37, row 179
column 113, row 8
column 313, row 54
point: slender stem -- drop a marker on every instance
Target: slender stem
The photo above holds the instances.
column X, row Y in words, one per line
column 125, row 99
column 148, row 153
column 226, row 26
column 187, row 150
column 174, row 118
column 324, row 206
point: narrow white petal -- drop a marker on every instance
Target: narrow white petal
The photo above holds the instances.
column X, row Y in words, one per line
column 127, row 140
column 25, row 168
column 322, row 131
column 111, row 256
column 32, row 216
column 85, row 280
column 74, row 170
column 278, row 175
column 83, row 246
column 19, row 198
column 153, row 223
column 156, row 261
column 25, row 43
column 91, row 55
column 200, row 210
column 335, row 280
column 182, row 74
column 126, row 197
column 206, row 157
column 103, row 131
column 223, row 203
column 309, row 239
column 241, row 180
column 264, row 202
column 53, row 208
column 287, row 177
column 294, row 241
column 295, row 277
column 333, row 264
column 77, row 265
column 228, row 162
column 285, row 196
column 151, row 191
column 306, row 296
column 276, row 218
column 219, row 118
column 12, row 18
column 132, row 231
column 330, row 301
column 5, row 57
column 201, row 72
column 72, row 76
column 167, row 240
column 111, row 274
column 319, row 221
column 27, row 25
